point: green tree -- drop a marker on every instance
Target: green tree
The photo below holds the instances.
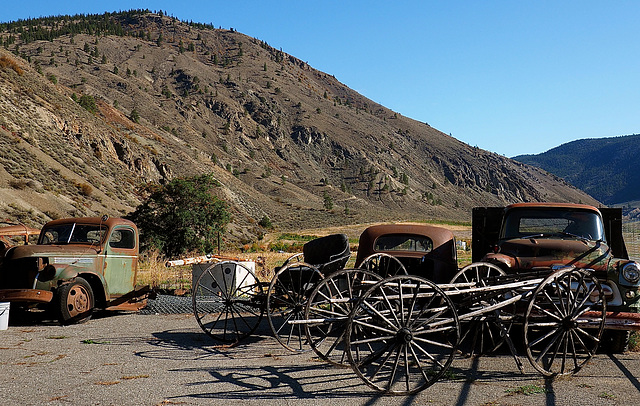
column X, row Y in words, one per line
column 182, row 215
column 404, row 178
column 327, row 201
column 134, row 116
column 89, row 103
column 265, row 222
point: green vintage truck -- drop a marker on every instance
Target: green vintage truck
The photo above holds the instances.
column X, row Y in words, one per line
column 78, row 264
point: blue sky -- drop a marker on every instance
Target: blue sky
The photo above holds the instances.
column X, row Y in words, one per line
column 512, row 77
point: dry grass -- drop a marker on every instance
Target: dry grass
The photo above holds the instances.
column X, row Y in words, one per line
column 152, row 270
column 6, row 62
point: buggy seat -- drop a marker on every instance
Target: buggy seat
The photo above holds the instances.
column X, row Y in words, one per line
column 328, row 254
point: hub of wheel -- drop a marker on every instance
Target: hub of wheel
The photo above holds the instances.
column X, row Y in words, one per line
column 404, row 335
column 79, row 300
column 569, row 324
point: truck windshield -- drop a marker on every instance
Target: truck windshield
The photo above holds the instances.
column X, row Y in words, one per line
column 552, row 223
column 72, row 233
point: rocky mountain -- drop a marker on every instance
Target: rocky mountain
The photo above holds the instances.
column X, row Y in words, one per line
column 606, row 168
column 92, row 107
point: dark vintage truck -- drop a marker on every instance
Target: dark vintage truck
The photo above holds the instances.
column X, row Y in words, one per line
column 77, row 265
column 529, row 237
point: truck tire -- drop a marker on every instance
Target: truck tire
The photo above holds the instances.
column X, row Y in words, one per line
column 75, row 301
column 615, row 341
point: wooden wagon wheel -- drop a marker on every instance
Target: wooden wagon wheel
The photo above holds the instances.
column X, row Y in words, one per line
column 328, row 309
column 485, row 333
column 402, row 335
column 384, row 265
column 559, row 340
column 286, row 301
column 228, row 301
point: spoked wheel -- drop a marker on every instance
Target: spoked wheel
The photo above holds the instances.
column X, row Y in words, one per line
column 558, row 341
column 482, row 334
column 228, row 301
column 402, row 335
column 328, row 310
column 286, row 301
column 384, row 265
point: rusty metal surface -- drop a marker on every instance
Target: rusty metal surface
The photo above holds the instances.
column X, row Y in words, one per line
column 7, row 233
column 101, row 250
column 18, row 230
column 441, row 237
column 26, row 295
column 617, row 320
column 553, row 205
column 541, row 253
column 109, row 222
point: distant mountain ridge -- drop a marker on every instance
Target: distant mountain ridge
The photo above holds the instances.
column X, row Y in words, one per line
column 606, row 168
column 93, row 106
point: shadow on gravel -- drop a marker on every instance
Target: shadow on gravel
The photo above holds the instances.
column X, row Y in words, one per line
column 629, row 374
column 35, row 317
column 280, row 382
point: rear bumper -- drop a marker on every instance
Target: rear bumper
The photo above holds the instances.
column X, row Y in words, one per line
column 26, row 295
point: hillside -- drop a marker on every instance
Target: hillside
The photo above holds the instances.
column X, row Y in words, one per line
column 92, row 107
column 605, row 168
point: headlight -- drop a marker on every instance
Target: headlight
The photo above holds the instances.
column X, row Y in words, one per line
column 631, row 272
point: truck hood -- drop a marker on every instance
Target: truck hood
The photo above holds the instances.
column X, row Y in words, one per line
column 41, row 251
column 542, row 252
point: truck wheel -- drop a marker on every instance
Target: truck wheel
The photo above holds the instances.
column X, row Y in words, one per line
column 615, row 341
column 75, row 301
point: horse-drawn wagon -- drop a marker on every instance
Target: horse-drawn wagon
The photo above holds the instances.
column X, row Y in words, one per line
column 405, row 311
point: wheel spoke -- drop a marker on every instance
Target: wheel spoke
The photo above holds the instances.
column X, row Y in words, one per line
column 555, row 342
column 400, row 333
column 225, row 310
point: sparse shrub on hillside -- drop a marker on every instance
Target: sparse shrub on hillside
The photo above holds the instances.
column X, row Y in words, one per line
column 88, row 103
column 265, row 222
column 6, row 62
column 166, row 92
column 280, row 246
column 25, row 216
column 85, row 189
column 134, row 116
column 19, row 184
column 327, row 201
column 404, row 178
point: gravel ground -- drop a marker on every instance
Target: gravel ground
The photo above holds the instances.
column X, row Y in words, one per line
column 165, row 359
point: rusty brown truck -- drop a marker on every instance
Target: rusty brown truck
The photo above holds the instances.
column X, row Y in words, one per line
column 78, row 264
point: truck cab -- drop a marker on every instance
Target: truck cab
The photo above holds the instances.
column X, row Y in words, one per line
column 542, row 237
column 77, row 265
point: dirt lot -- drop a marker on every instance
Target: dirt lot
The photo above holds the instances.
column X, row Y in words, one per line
column 163, row 359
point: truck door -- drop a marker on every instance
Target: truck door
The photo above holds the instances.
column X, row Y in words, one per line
column 121, row 261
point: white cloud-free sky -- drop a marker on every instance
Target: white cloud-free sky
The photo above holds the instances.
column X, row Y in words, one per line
column 512, row 77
